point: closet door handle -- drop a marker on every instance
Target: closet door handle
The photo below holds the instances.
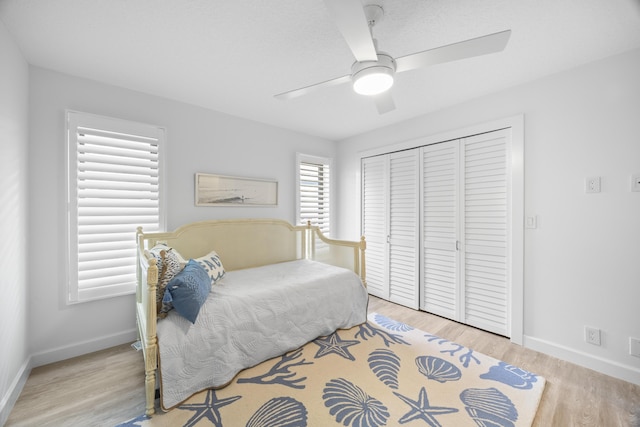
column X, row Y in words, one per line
column 457, row 245
column 388, row 238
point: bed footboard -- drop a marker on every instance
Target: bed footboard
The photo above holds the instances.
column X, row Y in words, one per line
column 342, row 253
column 241, row 244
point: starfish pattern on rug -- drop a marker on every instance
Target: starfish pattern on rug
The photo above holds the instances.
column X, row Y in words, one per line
column 420, row 409
column 208, row 409
column 334, row 344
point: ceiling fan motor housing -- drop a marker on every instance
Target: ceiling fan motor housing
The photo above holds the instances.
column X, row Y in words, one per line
column 373, row 77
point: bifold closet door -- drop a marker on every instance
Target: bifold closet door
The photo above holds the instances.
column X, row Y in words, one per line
column 465, row 223
column 486, row 192
column 403, row 237
column 390, row 223
column 440, row 230
column 436, row 220
column 374, row 223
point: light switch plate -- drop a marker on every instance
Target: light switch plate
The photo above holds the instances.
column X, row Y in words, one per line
column 531, row 222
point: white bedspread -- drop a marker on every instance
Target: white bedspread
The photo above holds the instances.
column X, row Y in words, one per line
column 253, row 315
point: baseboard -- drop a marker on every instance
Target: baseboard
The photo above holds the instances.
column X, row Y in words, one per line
column 608, row 367
column 78, row 349
column 11, row 397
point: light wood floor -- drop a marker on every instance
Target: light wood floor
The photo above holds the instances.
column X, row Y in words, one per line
column 106, row 387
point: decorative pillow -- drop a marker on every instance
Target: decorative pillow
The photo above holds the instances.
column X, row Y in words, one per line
column 212, row 265
column 169, row 264
column 188, row 290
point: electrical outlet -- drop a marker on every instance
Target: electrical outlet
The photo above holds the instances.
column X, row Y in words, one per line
column 592, row 335
column 634, row 347
column 635, row 182
column 592, row 184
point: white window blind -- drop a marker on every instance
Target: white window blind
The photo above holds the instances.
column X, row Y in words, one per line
column 114, row 187
column 314, row 192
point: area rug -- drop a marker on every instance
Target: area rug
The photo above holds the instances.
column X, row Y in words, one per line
column 381, row 373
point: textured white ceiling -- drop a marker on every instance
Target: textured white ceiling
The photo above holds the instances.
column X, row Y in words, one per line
column 234, row 55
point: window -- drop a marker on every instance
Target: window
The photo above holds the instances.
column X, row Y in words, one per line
column 114, row 187
column 314, row 184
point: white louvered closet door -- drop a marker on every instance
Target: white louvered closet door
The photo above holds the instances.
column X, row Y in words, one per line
column 390, row 223
column 440, row 230
column 436, row 220
column 485, row 163
column 404, row 233
column 374, row 223
column 465, row 239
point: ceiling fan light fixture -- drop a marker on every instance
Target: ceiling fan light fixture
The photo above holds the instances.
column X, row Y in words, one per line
column 373, row 81
column 373, row 77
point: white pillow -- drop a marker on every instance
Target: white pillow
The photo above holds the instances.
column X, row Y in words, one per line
column 212, row 265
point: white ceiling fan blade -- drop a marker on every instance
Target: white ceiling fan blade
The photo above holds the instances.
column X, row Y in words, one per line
column 466, row 49
column 384, row 102
column 312, row 88
column 350, row 18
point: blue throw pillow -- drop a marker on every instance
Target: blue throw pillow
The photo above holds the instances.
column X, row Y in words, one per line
column 188, row 290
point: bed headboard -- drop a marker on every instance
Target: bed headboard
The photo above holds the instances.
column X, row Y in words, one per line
column 241, row 243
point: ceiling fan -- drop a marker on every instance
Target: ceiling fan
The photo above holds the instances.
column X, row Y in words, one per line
column 373, row 72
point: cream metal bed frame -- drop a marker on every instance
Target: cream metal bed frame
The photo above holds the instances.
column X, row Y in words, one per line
column 241, row 243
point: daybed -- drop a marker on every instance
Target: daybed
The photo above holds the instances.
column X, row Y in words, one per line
column 275, row 288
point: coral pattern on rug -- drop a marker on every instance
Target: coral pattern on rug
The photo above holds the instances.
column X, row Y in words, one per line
column 381, row 373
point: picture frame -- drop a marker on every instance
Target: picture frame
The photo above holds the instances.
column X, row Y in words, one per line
column 224, row 190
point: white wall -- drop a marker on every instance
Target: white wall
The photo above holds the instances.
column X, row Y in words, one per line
column 199, row 140
column 14, row 93
column 582, row 263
